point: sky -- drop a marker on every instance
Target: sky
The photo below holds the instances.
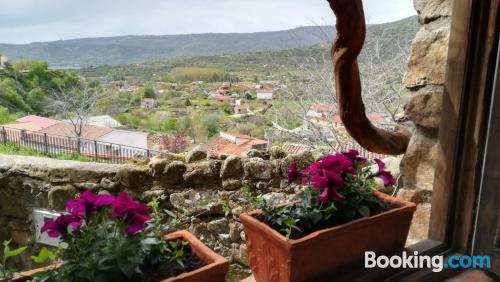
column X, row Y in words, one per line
column 25, row 21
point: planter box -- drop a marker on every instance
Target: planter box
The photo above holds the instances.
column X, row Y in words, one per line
column 273, row 258
column 214, row 271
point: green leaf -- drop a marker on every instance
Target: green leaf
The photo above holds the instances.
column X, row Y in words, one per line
column 363, row 210
column 315, row 217
column 8, row 253
column 44, row 255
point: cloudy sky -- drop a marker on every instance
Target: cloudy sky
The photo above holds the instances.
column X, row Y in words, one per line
column 24, row 21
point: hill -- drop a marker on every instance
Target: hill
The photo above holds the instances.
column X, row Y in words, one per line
column 138, row 49
column 385, row 39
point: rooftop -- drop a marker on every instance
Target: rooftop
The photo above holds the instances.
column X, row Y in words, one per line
column 233, row 144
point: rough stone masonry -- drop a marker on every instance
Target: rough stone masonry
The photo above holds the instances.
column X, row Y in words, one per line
column 206, row 193
column 425, row 79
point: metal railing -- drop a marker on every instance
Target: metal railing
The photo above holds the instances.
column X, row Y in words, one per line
column 57, row 146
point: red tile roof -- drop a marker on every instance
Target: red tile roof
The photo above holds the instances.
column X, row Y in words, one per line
column 222, row 98
column 41, row 122
column 66, row 129
column 223, row 145
column 324, row 108
column 295, row 148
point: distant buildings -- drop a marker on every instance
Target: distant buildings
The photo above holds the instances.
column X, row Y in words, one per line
column 265, row 94
column 296, row 148
column 105, row 134
column 234, row 144
column 103, row 121
column 224, row 89
column 148, row 103
column 3, row 60
column 325, row 115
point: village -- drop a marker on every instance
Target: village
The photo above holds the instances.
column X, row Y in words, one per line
column 115, row 138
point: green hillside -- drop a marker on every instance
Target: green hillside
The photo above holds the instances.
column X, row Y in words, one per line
column 139, row 49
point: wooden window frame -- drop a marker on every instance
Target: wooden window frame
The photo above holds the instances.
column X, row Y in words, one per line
column 465, row 110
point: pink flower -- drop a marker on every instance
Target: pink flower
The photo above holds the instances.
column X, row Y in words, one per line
column 330, row 195
column 88, row 203
column 354, row 156
column 133, row 213
column 293, row 173
column 59, row 226
column 339, row 163
column 326, row 175
column 386, row 176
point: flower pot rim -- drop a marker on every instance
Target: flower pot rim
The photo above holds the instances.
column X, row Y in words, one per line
column 211, row 258
column 403, row 207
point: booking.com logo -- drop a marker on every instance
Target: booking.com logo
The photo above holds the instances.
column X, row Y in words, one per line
column 437, row 263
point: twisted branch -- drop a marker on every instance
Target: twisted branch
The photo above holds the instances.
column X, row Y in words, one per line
column 351, row 32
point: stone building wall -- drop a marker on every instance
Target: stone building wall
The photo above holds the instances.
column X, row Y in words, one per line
column 206, row 192
column 425, row 80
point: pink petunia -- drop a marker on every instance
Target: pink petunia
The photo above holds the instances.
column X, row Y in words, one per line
column 383, row 174
column 88, row 203
column 293, row 173
column 133, row 213
column 59, row 226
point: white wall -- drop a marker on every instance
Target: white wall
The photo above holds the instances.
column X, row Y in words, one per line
column 126, row 138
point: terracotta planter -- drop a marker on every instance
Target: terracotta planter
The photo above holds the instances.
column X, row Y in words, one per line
column 214, row 271
column 273, row 258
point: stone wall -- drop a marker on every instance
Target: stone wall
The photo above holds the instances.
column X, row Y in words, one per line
column 425, row 80
column 206, row 192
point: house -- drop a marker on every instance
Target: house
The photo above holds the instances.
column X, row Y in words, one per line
column 234, row 144
column 296, row 148
column 244, row 87
column 265, row 94
column 67, row 129
column 224, row 89
column 148, row 103
column 32, row 123
column 3, row 60
column 212, row 95
column 322, row 111
column 134, row 139
column 222, row 99
column 90, row 133
column 103, row 121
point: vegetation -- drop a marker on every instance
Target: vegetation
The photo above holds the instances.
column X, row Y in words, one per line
column 7, row 274
column 14, row 149
column 184, row 74
column 114, row 239
column 26, row 85
column 339, row 190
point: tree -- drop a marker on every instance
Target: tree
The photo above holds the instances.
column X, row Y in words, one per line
column 149, row 92
column 227, row 108
column 191, row 125
column 176, row 143
column 169, row 124
column 211, row 124
column 5, row 116
column 187, row 103
column 76, row 105
column 382, row 65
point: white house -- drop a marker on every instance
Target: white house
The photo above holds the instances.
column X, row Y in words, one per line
column 148, row 103
column 103, row 121
column 3, row 60
column 127, row 138
column 265, row 95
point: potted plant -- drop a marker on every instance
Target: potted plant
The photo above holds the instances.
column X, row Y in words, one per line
column 117, row 239
column 339, row 216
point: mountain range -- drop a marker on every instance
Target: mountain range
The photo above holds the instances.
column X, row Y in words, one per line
column 77, row 53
